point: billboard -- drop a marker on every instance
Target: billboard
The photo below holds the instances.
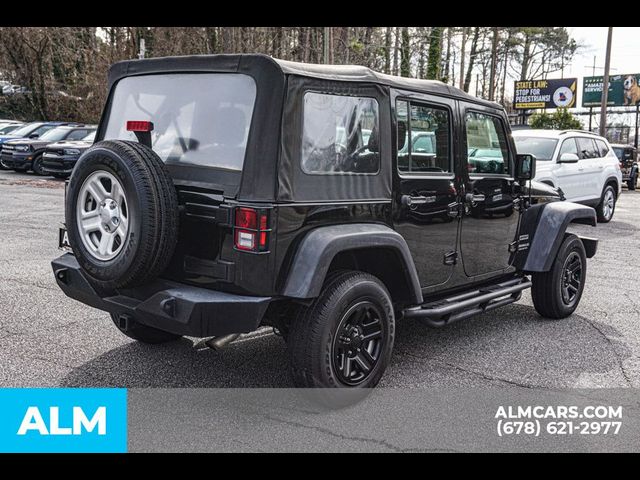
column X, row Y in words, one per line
column 559, row 92
column 623, row 90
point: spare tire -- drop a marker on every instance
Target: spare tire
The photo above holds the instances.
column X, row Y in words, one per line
column 121, row 214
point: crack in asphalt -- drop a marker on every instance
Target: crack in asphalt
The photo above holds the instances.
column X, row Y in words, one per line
column 26, row 284
column 470, row 371
column 623, row 371
column 355, row 438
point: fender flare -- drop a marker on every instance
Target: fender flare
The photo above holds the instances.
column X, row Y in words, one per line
column 543, row 229
column 612, row 178
column 318, row 248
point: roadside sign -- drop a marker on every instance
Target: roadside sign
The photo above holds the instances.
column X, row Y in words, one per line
column 552, row 93
column 623, row 90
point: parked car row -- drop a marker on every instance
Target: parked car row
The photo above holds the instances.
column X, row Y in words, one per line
column 46, row 148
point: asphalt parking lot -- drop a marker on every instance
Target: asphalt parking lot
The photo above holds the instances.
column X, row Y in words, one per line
column 47, row 339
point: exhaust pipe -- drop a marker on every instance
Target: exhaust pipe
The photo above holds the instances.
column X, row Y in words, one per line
column 216, row 343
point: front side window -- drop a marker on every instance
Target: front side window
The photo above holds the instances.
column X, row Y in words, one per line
column 340, row 134
column 568, row 146
column 26, row 130
column 199, row 118
column 586, row 148
column 429, row 129
column 487, row 150
column 40, row 131
column 541, row 148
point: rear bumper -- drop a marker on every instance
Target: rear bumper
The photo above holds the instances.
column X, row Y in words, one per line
column 166, row 305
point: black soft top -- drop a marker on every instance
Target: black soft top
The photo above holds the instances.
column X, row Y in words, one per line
column 273, row 67
column 272, row 168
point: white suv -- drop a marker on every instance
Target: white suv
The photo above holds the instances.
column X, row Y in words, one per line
column 582, row 164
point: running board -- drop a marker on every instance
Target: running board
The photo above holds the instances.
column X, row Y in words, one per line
column 458, row 307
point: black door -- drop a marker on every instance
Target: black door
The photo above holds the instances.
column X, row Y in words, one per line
column 490, row 220
column 425, row 195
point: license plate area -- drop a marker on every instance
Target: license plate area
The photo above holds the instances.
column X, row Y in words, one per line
column 63, row 239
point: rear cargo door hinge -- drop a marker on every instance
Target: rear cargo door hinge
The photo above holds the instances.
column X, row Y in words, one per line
column 450, row 258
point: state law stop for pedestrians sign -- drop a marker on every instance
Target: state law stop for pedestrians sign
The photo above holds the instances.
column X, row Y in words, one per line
column 553, row 93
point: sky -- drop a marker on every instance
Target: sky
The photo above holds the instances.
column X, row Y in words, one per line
column 625, row 51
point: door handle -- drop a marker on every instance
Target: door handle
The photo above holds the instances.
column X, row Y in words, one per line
column 410, row 201
column 474, row 198
column 580, row 169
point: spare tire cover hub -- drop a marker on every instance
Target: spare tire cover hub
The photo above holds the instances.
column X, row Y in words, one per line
column 102, row 215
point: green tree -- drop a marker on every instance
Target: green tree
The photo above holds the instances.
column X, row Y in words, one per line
column 561, row 119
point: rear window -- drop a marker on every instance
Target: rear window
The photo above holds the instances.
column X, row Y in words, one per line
column 199, row 119
column 541, row 148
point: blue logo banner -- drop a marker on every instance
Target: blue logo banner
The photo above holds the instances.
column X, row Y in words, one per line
column 63, row 420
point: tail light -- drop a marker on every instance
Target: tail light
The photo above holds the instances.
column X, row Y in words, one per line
column 251, row 229
column 139, row 126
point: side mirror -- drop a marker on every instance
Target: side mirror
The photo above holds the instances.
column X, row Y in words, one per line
column 34, row 135
column 568, row 158
column 525, row 167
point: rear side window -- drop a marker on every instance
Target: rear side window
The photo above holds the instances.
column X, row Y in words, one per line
column 77, row 134
column 602, row 147
column 587, row 148
column 429, row 129
column 199, row 118
column 340, row 135
column 487, row 150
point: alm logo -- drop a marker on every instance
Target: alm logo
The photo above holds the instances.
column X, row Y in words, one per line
column 60, row 420
column 33, row 421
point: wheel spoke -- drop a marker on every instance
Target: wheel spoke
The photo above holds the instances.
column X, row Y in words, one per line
column 363, row 361
column 574, row 265
column 346, row 367
column 115, row 193
column 91, row 224
column 121, row 231
column 373, row 335
column 106, row 243
column 97, row 190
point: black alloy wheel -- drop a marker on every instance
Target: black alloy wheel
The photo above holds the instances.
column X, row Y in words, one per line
column 571, row 278
column 358, row 344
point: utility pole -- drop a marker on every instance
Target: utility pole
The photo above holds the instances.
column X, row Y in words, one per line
column 605, row 86
column 325, row 44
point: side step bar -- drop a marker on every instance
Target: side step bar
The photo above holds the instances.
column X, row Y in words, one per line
column 458, row 307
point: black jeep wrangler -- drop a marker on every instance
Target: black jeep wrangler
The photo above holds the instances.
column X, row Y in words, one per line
column 230, row 192
column 628, row 157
